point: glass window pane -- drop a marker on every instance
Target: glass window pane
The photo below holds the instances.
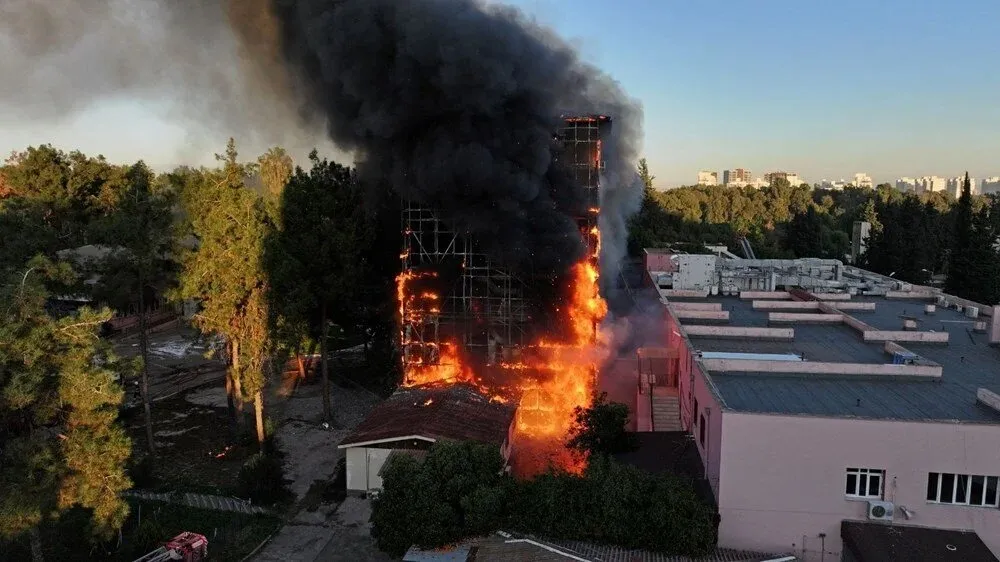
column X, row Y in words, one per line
column 976, row 493
column 862, row 483
column 852, row 484
column 991, row 490
column 852, row 470
column 947, row 488
column 961, row 488
column 875, row 485
column 932, row 486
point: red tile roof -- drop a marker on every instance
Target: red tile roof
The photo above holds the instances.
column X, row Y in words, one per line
column 455, row 412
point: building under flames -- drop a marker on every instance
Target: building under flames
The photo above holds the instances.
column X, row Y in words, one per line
column 522, row 338
column 487, row 312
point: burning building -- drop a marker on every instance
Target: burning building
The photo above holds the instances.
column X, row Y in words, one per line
column 517, row 335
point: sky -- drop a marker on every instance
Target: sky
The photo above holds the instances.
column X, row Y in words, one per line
column 825, row 89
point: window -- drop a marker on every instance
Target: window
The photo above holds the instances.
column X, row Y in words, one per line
column 865, row 483
column 701, row 431
column 963, row 489
column 696, row 411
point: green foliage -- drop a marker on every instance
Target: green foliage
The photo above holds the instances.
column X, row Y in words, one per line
column 262, row 479
column 601, row 429
column 459, row 491
column 60, row 398
column 617, row 504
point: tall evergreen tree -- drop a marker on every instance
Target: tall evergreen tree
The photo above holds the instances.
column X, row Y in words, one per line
column 960, row 262
column 317, row 257
column 226, row 275
column 142, row 228
column 59, row 400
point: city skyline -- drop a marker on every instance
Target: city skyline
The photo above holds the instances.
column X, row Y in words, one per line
column 781, row 94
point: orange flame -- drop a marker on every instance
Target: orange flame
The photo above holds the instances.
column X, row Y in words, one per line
column 555, row 377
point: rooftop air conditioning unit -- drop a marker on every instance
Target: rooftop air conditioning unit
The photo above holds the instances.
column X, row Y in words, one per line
column 880, row 510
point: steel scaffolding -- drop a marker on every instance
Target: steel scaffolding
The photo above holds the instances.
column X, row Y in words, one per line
column 456, row 293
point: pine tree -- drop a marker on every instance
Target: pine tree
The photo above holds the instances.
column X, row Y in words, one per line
column 317, row 258
column 59, row 395
column 960, row 262
column 226, row 274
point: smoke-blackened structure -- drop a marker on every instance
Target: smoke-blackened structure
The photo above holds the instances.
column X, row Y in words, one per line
column 453, row 104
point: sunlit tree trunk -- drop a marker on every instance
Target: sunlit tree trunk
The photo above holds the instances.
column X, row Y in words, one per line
column 144, row 375
column 258, row 406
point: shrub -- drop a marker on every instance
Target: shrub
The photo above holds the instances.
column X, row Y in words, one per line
column 262, row 479
column 458, row 490
column 601, row 429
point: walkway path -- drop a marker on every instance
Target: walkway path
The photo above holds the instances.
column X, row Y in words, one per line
column 203, row 501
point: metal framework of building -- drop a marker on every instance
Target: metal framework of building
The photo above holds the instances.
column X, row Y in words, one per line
column 483, row 309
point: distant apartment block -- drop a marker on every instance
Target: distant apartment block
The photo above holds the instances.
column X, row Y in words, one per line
column 990, row 185
column 791, row 177
column 836, row 185
column 906, row 184
column 931, row 184
column 862, row 180
column 738, row 177
column 706, row 177
column 955, row 185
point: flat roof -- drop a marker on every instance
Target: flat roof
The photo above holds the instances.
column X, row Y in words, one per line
column 968, row 363
column 875, row 542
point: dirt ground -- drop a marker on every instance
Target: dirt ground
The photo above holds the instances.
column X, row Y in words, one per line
column 196, row 451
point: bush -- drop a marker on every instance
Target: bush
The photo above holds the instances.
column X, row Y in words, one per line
column 601, row 429
column 262, row 479
column 459, row 491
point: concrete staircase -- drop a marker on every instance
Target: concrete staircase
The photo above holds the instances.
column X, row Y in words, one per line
column 666, row 411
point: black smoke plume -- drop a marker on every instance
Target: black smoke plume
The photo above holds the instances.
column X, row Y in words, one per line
column 453, row 105
column 449, row 103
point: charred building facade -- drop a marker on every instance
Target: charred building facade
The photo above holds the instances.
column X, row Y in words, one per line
column 452, row 294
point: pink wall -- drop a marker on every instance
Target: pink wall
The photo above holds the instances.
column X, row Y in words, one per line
column 659, row 262
column 693, row 385
column 783, row 477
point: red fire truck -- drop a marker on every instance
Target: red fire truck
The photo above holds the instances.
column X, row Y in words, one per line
column 188, row 547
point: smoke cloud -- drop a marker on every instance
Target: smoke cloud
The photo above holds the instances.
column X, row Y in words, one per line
column 453, row 104
column 449, row 103
column 61, row 57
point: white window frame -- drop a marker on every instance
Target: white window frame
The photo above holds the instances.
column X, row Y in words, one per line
column 955, row 477
column 864, row 474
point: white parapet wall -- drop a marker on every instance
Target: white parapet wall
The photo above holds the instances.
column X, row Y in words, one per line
column 684, row 293
column 988, row 398
column 921, row 295
column 740, row 332
column 833, row 296
column 696, row 306
column 749, row 295
column 905, row 336
column 812, row 305
column 804, row 318
column 708, row 315
column 821, row 368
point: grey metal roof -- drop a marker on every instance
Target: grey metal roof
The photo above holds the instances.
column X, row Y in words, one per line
column 968, row 362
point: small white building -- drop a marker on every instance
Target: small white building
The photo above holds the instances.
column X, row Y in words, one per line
column 413, row 419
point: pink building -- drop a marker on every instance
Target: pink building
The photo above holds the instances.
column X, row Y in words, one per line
column 810, row 410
